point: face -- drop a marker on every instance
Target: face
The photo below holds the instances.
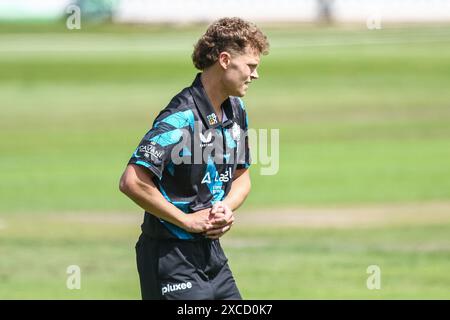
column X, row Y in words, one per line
column 239, row 71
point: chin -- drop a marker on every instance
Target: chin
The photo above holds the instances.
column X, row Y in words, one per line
column 240, row 93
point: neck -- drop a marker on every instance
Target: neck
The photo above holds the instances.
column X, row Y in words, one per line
column 214, row 90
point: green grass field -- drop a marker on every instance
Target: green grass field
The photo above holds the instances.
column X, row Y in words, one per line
column 364, row 119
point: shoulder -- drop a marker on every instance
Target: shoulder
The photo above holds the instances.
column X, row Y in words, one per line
column 180, row 112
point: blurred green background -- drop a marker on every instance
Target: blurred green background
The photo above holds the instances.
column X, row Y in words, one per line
column 364, row 176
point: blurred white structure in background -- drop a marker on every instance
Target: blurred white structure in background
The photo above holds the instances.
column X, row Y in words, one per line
column 183, row 11
column 32, row 9
column 282, row 10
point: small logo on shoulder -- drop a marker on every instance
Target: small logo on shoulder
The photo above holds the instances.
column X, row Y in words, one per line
column 151, row 150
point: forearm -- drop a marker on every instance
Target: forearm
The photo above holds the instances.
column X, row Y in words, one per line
column 240, row 189
column 151, row 200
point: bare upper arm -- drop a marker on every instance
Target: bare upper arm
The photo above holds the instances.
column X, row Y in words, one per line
column 135, row 175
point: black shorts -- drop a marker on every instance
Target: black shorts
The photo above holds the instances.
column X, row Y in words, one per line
column 173, row 269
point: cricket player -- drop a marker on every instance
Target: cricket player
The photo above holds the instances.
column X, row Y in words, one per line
column 190, row 172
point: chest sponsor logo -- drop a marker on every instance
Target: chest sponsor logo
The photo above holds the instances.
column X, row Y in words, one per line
column 223, row 177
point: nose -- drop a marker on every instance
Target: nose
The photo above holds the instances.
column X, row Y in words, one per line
column 254, row 75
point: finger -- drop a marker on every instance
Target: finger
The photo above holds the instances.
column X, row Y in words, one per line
column 216, row 206
column 219, row 213
column 207, row 227
column 223, row 219
column 217, row 231
column 217, row 216
column 220, row 210
column 220, row 222
column 227, row 210
column 217, row 210
column 229, row 215
column 218, row 235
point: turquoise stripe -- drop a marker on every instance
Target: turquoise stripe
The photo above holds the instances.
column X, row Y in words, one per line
column 178, row 232
column 213, row 184
column 183, row 206
column 167, row 138
column 186, row 152
column 241, row 103
column 142, row 163
column 230, row 142
column 180, row 119
column 243, row 108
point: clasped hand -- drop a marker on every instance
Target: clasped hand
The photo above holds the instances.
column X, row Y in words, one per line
column 212, row 222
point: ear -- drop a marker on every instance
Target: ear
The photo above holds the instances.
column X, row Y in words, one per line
column 224, row 59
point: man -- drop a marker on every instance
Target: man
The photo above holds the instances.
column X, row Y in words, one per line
column 190, row 171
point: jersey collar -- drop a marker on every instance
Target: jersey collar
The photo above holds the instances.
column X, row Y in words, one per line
column 206, row 109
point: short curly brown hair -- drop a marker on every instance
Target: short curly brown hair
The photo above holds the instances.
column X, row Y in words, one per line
column 228, row 34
